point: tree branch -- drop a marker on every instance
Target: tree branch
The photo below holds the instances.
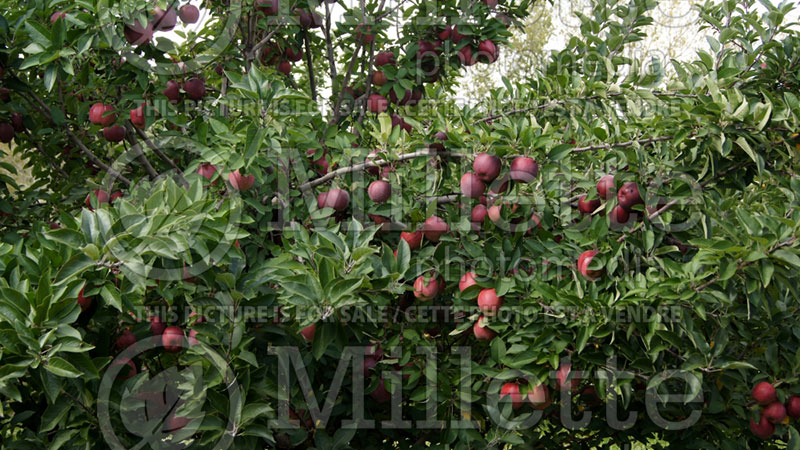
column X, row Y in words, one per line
column 137, row 149
column 310, row 64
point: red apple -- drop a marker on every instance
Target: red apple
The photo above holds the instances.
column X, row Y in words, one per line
column 195, row 88
column 207, row 170
column 114, row 133
column 583, row 265
column 562, row 375
column 165, row 20
column 467, row 280
column 137, row 34
column 17, row 122
column 429, row 290
column 413, row 238
column 137, row 116
column 539, row 396
column 379, row 191
column 366, row 37
column 379, row 78
column 309, row 332
column 471, row 185
column 172, row 92
column 619, row 216
column 172, row 339
column 628, row 196
column 285, row 67
column 384, row 58
column 380, row 394
column 192, row 338
column 321, row 165
column 125, row 340
column 57, row 15
column 486, row 167
column 338, row 199
column 189, row 14
column 524, row 169
column 293, row 54
column 100, row 195
column 764, row 393
column 434, row 227
column 487, row 52
column 303, row 18
column 605, row 187
column 481, row 331
column 793, row 406
column 511, row 390
column 377, row 103
column 127, row 372
column 241, row 182
column 489, row 302
column 455, row 36
column 100, row 114
column 587, row 206
column 84, row 302
column 479, row 213
column 466, row 57
column 763, row 429
column 440, row 137
column 7, row 132
column 398, row 121
column 157, row 326
column 775, row 412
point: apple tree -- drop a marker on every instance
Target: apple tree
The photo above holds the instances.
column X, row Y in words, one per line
column 270, row 223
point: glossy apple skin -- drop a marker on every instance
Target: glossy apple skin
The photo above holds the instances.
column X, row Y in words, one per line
column 583, row 265
column 486, row 166
column 172, row 339
column 511, row 390
column 114, row 133
column 338, row 199
column 428, row 290
column 100, row 114
column 483, row 333
column 793, row 406
column 628, row 196
column 125, row 340
column 764, row 393
column 479, row 213
column 605, row 187
column 763, row 429
column 523, row 169
column 471, row 185
column 413, row 238
column 588, row 206
column 619, row 216
column 775, row 412
column 467, row 280
column 309, row 332
column 157, row 326
column 434, row 227
column 489, row 302
column 379, row 191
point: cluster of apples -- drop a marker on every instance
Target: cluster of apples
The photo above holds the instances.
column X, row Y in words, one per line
column 8, row 130
column 538, row 394
column 101, row 197
column 194, row 88
column 772, row 411
column 628, row 196
column 274, row 54
column 159, row 20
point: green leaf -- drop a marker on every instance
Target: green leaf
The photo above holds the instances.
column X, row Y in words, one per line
column 787, row 257
column 59, row 366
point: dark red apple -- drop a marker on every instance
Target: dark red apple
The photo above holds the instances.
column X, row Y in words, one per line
column 398, row 121
column 511, row 390
column 466, row 57
column 267, row 7
column 763, row 429
column 628, row 196
column 471, row 185
column 125, row 340
column 775, row 412
column 764, row 393
column 100, row 114
column 605, row 187
column 583, row 265
column 413, row 238
column 793, row 406
column 467, row 280
column 101, row 197
column 309, row 332
column 17, row 122
column 384, row 58
column 195, row 88
column 377, row 103
column 7, row 132
column 127, row 372
column 379, row 78
column 588, row 206
column 114, row 133
column 164, row 20
column 434, row 227
column 619, row 216
column 241, row 182
column 207, row 170
column 172, row 339
column 366, row 37
column 487, row 167
column 137, row 116
column 487, row 52
column 379, row 191
column 172, row 92
column 157, row 326
column 489, row 302
column 293, row 54
column 189, row 14
column 523, row 169
column 338, row 199
column 285, row 67
column 380, row 394
column 84, row 302
column 427, row 290
column 482, row 331
column 137, row 34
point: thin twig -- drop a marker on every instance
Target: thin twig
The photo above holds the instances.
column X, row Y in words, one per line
column 310, row 64
column 137, row 150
